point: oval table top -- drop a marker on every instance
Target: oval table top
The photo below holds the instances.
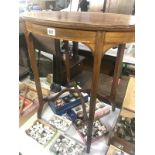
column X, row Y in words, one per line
column 93, row 21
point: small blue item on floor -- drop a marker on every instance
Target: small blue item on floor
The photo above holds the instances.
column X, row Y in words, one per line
column 72, row 115
column 69, row 102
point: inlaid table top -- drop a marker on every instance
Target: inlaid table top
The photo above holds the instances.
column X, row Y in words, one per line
column 83, row 20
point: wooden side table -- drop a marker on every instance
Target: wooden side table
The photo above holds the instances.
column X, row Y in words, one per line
column 99, row 31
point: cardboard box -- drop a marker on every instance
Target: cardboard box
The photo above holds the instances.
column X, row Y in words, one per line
column 127, row 112
column 112, row 150
column 41, row 132
column 128, row 107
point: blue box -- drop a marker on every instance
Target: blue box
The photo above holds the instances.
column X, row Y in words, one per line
column 68, row 104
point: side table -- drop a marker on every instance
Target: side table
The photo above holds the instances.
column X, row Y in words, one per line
column 98, row 31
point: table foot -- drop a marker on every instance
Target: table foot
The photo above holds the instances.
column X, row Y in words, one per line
column 113, row 107
column 88, row 149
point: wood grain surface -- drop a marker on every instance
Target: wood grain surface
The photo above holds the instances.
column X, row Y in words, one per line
column 83, row 20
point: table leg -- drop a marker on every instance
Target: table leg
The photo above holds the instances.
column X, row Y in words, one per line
column 75, row 49
column 117, row 70
column 67, row 61
column 94, row 86
column 32, row 56
column 57, row 64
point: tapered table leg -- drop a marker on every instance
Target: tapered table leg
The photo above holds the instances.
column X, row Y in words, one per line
column 117, row 70
column 32, row 56
column 94, row 86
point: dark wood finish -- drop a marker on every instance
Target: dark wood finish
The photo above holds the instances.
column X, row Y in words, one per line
column 44, row 43
column 75, row 68
column 57, row 63
column 117, row 71
column 75, row 49
column 70, row 66
column 67, row 62
column 99, row 31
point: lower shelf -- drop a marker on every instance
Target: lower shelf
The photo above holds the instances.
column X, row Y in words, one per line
column 59, row 75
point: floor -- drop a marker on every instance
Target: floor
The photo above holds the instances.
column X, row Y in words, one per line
column 106, row 77
column 105, row 82
column 28, row 146
column 84, row 78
